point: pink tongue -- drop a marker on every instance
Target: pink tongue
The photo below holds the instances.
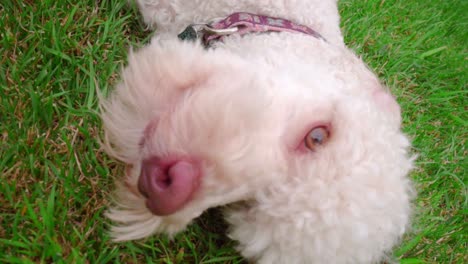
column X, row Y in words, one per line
column 168, row 191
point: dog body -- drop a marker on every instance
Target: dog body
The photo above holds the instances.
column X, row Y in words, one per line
column 296, row 127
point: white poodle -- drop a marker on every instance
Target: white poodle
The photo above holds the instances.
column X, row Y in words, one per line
column 291, row 124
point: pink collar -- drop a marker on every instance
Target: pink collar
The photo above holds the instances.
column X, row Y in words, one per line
column 243, row 23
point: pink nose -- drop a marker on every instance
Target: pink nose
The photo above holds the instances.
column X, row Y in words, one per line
column 168, row 185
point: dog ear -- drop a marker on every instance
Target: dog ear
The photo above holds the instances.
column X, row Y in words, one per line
column 165, row 68
column 154, row 79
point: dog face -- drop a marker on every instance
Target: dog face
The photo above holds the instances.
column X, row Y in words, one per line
column 202, row 128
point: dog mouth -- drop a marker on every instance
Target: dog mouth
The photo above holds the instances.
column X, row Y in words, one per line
column 168, row 185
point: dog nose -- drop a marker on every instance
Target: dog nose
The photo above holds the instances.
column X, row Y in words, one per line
column 168, row 185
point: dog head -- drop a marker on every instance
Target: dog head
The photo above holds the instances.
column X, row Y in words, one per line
column 186, row 121
column 202, row 128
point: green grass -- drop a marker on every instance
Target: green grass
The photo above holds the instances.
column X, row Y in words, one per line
column 55, row 182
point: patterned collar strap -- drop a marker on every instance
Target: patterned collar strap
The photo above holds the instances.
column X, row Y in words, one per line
column 243, row 23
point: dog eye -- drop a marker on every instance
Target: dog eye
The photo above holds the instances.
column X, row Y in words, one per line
column 316, row 137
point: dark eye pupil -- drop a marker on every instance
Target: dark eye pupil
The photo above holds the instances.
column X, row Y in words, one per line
column 317, row 135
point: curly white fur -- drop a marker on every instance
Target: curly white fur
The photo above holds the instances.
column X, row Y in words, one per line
column 241, row 108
